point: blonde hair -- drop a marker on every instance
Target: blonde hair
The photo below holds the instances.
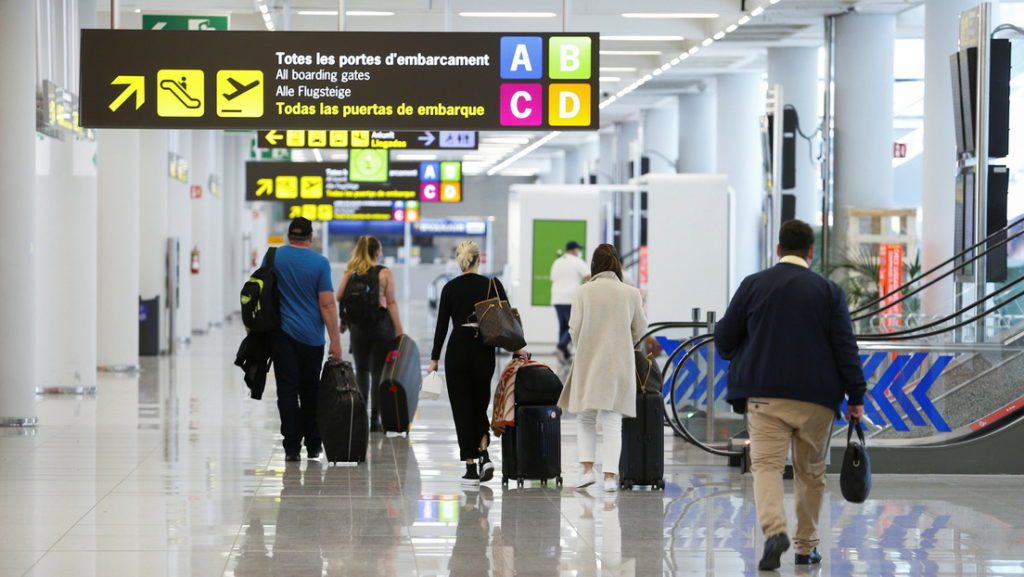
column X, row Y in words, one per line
column 467, row 254
column 367, row 247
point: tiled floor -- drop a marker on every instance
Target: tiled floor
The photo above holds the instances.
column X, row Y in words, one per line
column 177, row 473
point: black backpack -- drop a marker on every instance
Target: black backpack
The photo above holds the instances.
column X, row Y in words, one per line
column 360, row 303
column 261, row 311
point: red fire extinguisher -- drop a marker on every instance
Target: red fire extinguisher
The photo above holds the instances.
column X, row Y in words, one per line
column 195, row 260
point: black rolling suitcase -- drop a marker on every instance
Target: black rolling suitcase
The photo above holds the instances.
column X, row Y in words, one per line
column 400, row 385
column 341, row 415
column 642, row 461
column 532, row 449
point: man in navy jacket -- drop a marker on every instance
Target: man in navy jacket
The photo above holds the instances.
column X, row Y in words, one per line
column 793, row 358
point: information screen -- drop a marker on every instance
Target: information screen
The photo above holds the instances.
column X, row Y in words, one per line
column 351, row 80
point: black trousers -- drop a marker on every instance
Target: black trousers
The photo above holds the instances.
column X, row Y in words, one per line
column 297, row 370
column 469, row 367
column 369, row 355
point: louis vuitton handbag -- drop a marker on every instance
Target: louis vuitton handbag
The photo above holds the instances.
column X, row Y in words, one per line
column 498, row 324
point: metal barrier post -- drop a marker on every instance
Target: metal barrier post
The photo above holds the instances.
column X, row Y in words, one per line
column 710, row 413
column 696, row 318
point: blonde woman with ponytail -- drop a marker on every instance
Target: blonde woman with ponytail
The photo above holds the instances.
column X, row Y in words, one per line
column 468, row 362
column 369, row 310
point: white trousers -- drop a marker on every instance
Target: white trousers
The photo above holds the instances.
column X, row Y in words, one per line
column 586, row 438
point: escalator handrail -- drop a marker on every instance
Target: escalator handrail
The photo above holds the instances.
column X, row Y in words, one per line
column 682, row 430
column 861, row 309
column 963, row 323
column 911, row 333
column 909, row 294
column 655, row 328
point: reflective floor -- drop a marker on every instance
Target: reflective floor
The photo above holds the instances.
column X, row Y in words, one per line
column 176, row 472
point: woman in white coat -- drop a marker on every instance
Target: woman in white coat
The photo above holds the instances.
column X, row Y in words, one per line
column 607, row 319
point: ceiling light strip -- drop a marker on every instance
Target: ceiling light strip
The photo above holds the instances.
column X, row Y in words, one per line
column 515, row 157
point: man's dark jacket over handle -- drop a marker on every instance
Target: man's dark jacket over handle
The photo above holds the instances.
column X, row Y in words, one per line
column 787, row 334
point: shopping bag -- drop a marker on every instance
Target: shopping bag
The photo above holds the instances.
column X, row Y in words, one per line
column 433, row 385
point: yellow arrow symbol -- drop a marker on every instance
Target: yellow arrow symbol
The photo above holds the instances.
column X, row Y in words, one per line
column 273, row 137
column 264, row 187
column 134, row 85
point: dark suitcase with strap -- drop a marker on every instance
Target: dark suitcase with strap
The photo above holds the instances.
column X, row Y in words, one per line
column 399, row 388
column 642, row 460
column 532, row 449
column 341, row 415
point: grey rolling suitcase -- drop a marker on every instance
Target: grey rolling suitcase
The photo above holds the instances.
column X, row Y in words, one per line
column 400, row 385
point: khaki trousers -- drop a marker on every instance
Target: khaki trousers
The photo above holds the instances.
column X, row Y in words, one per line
column 775, row 425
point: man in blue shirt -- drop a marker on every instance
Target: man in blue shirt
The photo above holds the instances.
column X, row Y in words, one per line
column 307, row 307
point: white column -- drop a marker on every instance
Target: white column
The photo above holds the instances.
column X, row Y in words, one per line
column 796, row 70
column 605, row 166
column 118, row 249
column 740, row 105
column 215, row 219
column 17, row 219
column 234, row 198
column 65, row 237
column 698, row 149
column 573, row 170
column 153, row 220
column 863, row 120
column 180, row 227
column 201, row 233
column 941, row 39
column 661, row 136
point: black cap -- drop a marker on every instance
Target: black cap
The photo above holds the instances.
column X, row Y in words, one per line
column 572, row 245
column 301, row 228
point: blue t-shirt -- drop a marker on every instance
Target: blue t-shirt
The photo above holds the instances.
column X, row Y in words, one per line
column 301, row 276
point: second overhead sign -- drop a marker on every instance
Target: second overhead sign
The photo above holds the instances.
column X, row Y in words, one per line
column 382, row 139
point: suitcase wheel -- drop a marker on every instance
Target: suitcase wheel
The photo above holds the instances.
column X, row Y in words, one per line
column 558, row 482
column 660, row 485
column 543, row 482
column 504, row 482
column 520, row 482
column 626, row 485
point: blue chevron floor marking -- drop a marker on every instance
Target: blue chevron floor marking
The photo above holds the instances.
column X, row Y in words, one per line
column 920, row 393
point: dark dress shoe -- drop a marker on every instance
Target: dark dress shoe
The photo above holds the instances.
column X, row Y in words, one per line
column 774, row 547
column 813, row 558
column 292, row 458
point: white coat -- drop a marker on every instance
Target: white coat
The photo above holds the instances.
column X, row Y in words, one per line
column 607, row 319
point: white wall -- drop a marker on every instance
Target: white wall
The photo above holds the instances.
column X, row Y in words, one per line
column 527, row 203
column 688, row 244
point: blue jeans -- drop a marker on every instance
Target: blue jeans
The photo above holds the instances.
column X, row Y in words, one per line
column 297, row 370
column 563, row 327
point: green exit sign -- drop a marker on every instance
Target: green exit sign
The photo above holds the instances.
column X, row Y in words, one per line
column 183, row 22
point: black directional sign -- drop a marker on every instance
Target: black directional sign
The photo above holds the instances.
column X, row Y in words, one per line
column 382, row 139
column 343, row 80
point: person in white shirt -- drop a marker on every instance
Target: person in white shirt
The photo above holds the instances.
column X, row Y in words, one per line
column 568, row 272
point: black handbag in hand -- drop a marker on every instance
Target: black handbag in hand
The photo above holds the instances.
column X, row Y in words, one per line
column 855, row 479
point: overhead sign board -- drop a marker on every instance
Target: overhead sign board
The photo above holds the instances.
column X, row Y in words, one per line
column 362, row 178
column 345, row 80
column 383, row 139
column 184, row 22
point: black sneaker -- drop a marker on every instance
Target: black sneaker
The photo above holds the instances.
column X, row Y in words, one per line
column 313, row 454
column 774, row 547
column 292, row 458
column 471, row 478
column 486, row 467
column 812, row 558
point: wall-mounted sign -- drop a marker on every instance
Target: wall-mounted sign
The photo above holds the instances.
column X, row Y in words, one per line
column 177, row 167
column 213, row 185
column 366, row 177
column 196, row 191
column 349, row 80
column 383, row 139
column 432, row 227
column 183, row 22
column 57, row 113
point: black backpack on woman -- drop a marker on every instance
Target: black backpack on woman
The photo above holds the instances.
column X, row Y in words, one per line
column 360, row 308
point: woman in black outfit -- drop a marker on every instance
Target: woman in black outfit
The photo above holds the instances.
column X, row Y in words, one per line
column 468, row 362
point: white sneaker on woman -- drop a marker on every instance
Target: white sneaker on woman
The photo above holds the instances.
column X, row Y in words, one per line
column 611, row 485
column 586, row 480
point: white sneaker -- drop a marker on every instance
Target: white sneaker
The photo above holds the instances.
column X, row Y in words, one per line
column 611, row 485
column 586, row 480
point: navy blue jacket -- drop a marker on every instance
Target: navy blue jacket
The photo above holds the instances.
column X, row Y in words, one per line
column 787, row 334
